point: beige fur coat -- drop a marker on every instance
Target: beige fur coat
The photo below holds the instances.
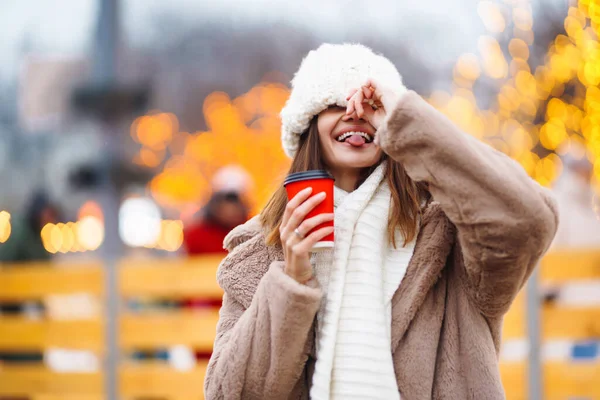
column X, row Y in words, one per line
column 479, row 240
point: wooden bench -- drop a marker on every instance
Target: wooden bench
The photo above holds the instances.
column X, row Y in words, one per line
column 36, row 281
column 195, row 328
column 564, row 379
column 175, row 279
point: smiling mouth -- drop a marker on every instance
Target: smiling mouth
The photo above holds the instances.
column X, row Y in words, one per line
column 345, row 136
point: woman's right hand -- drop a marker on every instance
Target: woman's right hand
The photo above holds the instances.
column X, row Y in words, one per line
column 383, row 100
column 293, row 230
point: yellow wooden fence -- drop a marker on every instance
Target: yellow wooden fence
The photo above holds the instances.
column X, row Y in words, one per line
column 195, row 278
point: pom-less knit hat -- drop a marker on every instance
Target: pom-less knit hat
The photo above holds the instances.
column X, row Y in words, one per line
column 324, row 78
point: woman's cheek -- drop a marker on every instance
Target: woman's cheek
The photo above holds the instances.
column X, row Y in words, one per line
column 325, row 124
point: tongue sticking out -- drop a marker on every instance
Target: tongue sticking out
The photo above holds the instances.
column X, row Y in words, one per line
column 356, row 140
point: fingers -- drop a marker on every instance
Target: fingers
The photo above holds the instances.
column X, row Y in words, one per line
column 309, row 224
column 369, row 83
column 350, row 106
column 355, row 104
column 296, row 217
column 356, row 97
column 294, row 203
column 300, row 212
column 358, row 103
column 296, row 250
column 351, row 93
column 369, row 89
column 304, row 246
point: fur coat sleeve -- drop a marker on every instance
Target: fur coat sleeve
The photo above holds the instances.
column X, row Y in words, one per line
column 505, row 221
column 263, row 332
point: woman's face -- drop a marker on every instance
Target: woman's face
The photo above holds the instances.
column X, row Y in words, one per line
column 346, row 140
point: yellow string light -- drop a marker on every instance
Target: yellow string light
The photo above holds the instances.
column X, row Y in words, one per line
column 239, row 129
column 573, row 61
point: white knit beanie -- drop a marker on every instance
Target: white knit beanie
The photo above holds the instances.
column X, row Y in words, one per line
column 324, row 78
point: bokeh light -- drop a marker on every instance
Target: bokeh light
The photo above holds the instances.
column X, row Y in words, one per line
column 539, row 113
column 467, row 68
column 5, row 226
column 68, row 237
column 494, row 63
column 139, row 222
column 522, row 17
column 86, row 234
column 250, row 121
column 90, row 232
column 171, row 236
column 491, row 16
column 154, row 131
column 90, row 209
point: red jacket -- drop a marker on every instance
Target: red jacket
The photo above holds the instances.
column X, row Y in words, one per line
column 204, row 238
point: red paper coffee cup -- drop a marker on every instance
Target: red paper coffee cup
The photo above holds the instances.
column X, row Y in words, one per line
column 319, row 181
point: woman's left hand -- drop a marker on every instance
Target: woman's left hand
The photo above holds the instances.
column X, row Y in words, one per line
column 381, row 100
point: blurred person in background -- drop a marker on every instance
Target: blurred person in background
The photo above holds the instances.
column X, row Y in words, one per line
column 225, row 210
column 435, row 234
column 25, row 242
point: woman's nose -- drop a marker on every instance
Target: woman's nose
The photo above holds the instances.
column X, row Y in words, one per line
column 353, row 117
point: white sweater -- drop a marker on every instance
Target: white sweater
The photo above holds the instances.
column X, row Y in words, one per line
column 360, row 276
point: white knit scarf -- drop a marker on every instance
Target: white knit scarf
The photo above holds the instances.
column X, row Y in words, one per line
column 359, row 278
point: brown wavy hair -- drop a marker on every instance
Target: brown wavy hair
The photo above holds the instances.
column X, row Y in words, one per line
column 407, row 194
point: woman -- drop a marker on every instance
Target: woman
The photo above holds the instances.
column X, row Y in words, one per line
column 435, row 233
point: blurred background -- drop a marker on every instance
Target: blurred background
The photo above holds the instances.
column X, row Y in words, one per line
column 134, row 134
